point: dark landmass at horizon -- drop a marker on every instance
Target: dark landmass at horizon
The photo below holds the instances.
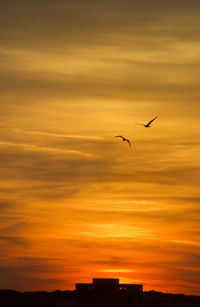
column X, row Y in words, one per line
column 12, row 298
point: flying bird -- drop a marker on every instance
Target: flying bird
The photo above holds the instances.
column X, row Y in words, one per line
column 149, row 123
column 123, row 139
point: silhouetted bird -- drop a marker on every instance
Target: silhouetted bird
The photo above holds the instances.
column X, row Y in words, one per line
column 123, row 139
column 149, row 123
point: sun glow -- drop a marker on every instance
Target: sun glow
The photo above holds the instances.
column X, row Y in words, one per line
column 116, row 270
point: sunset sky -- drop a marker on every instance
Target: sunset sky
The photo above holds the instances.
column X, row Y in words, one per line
column 76, row 202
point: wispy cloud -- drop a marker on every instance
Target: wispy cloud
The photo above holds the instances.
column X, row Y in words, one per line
column 60, row 135
column 41, row 149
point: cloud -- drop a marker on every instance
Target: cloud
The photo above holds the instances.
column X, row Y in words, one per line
column 15, row 240
column 57, row 160
column 32, row 273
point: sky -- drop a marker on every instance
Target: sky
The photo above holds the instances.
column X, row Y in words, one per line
column 75, row 202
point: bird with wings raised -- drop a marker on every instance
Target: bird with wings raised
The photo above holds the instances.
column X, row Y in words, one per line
column 148, row 125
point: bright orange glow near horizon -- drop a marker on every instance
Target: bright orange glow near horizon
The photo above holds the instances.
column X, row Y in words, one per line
column 75, row 202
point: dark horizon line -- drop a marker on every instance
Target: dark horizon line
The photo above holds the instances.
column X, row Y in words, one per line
column 58, row 290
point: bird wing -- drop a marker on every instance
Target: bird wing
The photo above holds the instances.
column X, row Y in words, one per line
column 128, row 142
column 152, row 120
column 119, row 136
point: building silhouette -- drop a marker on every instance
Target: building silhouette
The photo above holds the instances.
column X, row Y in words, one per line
column 101, row 293
column 105, row 292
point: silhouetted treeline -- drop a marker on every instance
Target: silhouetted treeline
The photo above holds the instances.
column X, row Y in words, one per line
column 11, row 298
column 159, row 299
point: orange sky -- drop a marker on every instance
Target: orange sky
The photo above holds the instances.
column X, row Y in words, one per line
column 76, row 203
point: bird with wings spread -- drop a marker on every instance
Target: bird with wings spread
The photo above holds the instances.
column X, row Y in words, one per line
column 123, row 139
